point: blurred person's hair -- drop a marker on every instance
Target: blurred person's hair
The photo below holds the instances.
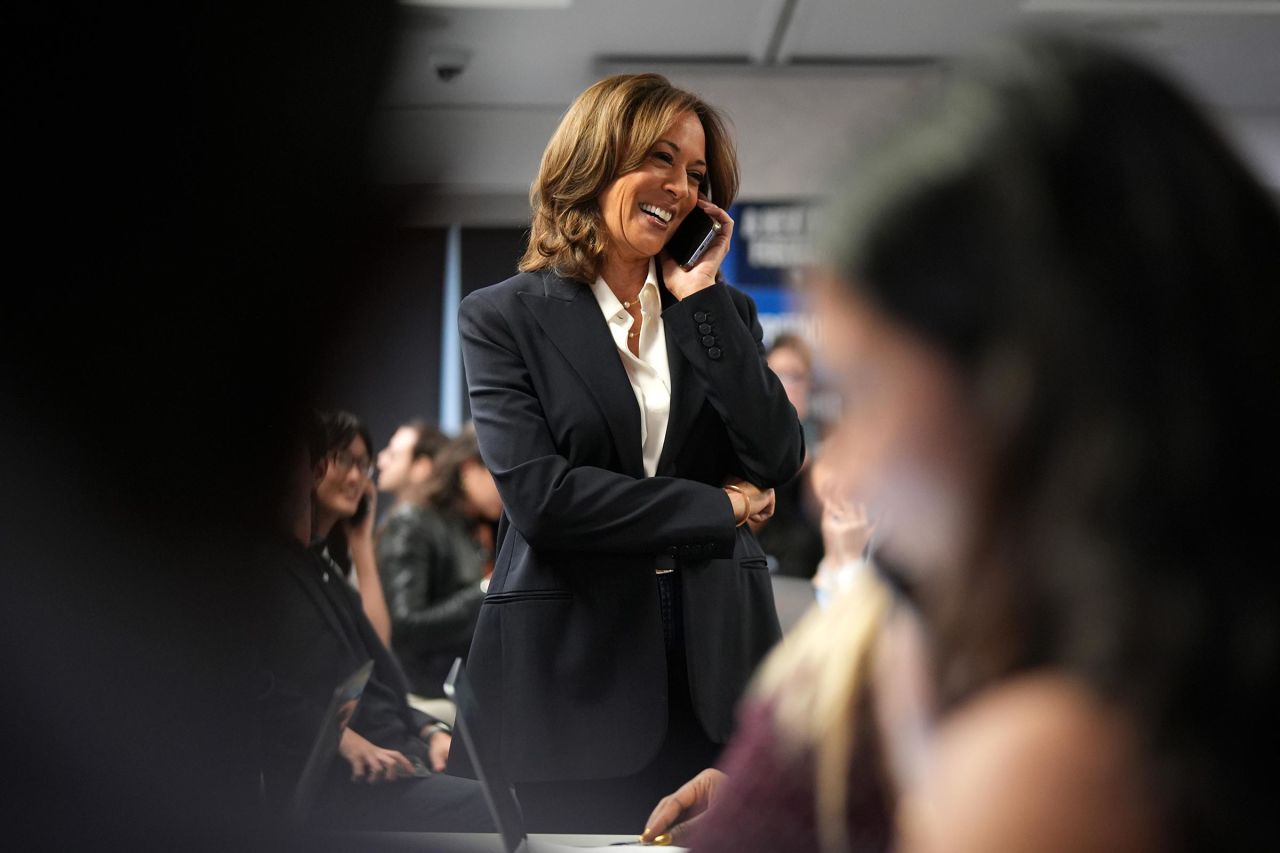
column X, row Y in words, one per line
column 430, row 438
column 428, row 444
column 444, row 489
column 796, row 344
column 817, row 682
column 1080, row 240
column 606, row 133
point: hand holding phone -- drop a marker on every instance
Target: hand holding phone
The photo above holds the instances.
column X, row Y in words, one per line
column 692, row 238
column 696, row 249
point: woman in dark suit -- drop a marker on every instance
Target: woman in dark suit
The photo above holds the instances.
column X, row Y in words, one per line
column 625, row 409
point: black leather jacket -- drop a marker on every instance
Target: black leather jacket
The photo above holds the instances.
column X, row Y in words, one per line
column 431, row 571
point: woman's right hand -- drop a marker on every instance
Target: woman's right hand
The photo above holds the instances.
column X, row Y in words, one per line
column 686, row 282
column 676, row 813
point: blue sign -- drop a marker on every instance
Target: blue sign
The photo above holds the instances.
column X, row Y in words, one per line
column 770, row 242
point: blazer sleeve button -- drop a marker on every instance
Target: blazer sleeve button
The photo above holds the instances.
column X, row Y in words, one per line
column 704, row 329
column 700, row 316
column 708, row 340
column 714, row 353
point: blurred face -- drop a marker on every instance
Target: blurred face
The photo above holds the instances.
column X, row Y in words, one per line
column 343, row 484
column 480, row 490
column 642, row 209
column 908, row 444
column 790, row 368
column 395, row 460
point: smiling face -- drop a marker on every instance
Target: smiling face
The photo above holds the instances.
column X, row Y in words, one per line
column 340, row 490
column 642, row 209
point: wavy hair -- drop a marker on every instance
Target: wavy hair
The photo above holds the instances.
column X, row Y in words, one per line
column 604, row 134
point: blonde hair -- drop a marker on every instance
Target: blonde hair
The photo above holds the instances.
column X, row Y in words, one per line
column 607, row 132
column 814, row 680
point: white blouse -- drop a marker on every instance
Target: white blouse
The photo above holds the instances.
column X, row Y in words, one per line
column 649, row 374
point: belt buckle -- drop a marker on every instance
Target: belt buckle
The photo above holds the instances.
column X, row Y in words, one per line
column 665, row 564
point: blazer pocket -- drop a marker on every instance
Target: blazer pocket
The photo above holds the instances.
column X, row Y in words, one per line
column 755, row 564
column 528, row 595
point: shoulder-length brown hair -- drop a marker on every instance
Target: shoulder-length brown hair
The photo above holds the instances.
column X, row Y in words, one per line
column 443, row 489
column 607, row 132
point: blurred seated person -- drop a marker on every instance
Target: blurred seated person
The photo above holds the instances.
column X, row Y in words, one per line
column 315, row 634
column 343, row 511
column 791, row 539
column 435, row 554
column 807, row 763
column 846, row 523
column 1062, row 428
column 405, row 464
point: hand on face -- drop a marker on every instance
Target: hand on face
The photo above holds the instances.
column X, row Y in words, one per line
column 643, row 208
column 682, row 282
column 363, row 530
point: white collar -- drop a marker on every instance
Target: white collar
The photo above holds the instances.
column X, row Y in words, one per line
column 612, row 307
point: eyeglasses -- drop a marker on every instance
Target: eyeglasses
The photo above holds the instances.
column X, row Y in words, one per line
column 345, row 460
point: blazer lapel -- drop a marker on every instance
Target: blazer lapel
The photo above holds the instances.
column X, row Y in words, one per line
column 687, row 394
column 571, row 318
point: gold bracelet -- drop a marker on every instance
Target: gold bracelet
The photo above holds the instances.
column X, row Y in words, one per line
column 746, row 500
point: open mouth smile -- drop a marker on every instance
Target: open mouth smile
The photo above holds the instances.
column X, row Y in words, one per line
column 660, row 214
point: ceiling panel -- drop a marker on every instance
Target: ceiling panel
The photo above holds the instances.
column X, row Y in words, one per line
column 547, row 56
column 845, row 29
column 792, row 73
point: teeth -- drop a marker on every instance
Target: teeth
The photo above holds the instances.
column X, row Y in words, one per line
column 664, row 215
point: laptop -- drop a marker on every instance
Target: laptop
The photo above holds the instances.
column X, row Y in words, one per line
column 498, row 791
column 342, row 707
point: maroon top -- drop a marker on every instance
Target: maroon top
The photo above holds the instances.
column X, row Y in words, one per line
column 767, row 802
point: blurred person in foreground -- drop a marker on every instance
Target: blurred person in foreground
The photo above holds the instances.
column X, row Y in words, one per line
column 435, row 556
column 1056, row 297
column 625, row 409
column 405, row 464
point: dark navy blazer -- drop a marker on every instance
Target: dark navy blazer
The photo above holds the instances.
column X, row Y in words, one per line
column 568, row 658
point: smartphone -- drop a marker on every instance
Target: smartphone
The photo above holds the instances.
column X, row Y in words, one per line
column 692, row 238
column 362, row 509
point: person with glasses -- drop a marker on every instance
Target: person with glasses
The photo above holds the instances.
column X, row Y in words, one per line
column 343, row 510
column 313, row 632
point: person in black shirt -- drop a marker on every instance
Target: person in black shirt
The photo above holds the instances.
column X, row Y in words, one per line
column 314, row 635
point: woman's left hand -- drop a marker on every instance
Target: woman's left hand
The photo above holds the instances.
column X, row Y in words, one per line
column 363, row 531
column 682, row 282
